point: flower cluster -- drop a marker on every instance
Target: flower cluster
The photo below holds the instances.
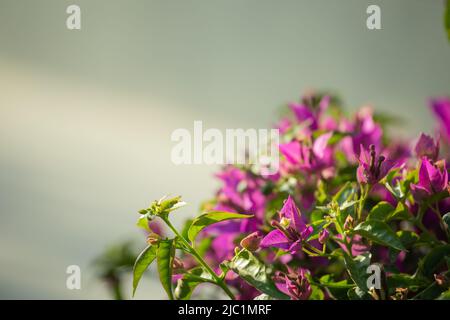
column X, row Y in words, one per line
column 346, row 196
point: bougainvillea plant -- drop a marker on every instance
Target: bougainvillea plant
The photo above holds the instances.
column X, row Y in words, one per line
column 347, row 200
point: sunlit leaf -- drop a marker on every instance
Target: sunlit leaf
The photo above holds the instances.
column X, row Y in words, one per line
column 190, row 280
column 380, row 211
column 144, row 259
column 316, row 293
column 357, row 268
column 253, row 271
column 143, row 223
column 210, row 218
column 165, row 254
column 379, row 232
column 433, row 259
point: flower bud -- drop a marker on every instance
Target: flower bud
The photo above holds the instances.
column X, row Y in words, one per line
column 168, row 205
column 440, row 280
column 177, row 265
column 373, row 292
column 348, row 224
column 400, row 294
column 252, row 241
column 153, row 238
column 323, row 236
column 433, row 178
column 426, row 147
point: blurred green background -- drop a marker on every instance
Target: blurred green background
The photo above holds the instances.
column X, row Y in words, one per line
column 86, row 116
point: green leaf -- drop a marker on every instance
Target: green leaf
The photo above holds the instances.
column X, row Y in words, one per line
column 164, row 255
column 344, row 194
column 433, row 291
column 381, row 211
column 337, row 290
column 210, row 218
column 379, row 232
column 187, row 284
column 403, row 280
column 344, row 199
column 253, row 271
column 408, row 238
column 185, row 288
column 185, row 229
column 384, row 211
column 329, row 283
column 168, row 205
column 444, row 295
column 144, row 259
column 203, row 245
column 321, row 193
column 317, row 215
column 431, row 261
column 143, row 223
column 401, row 212
column 347, row 204
column 395, row 190
column 357, row 269
column 447, row 261
column 316, row 293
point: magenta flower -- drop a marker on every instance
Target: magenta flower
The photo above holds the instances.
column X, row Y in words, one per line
column 372, row 169
column 317, row 157
column 426, row 147
column 363, row 131
column 222, row 247
column 308, row 115
column 304, row 115
column 241, row 192
column 441, row 108
column 283, row 125
column 433, row 178
column 295, row 284
column 290, row 231
column 398, row 151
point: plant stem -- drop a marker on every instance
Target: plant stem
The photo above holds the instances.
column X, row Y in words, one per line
column 200, row 260
column 418, row 222
column 439, row 216
column 317, row 252
column 362, row 200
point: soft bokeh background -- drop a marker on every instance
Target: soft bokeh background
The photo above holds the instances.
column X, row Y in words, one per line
column 86, row 116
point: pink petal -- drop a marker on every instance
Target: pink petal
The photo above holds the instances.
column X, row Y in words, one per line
column 291, row 151
column 321, row 144
column 291, row 212
column 275, row 238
